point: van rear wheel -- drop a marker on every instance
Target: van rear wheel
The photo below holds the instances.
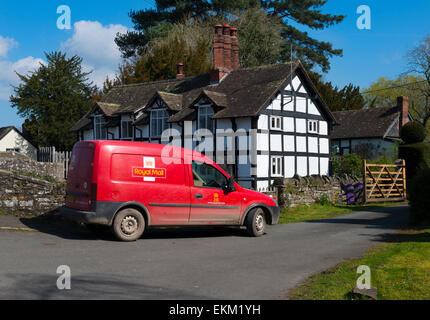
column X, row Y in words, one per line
column 255, row 222
column 129, row 225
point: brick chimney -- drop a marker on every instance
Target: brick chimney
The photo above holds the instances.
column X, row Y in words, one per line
column 227, row 47
column 403, row 107
column 180, row 73
column 225, row 52
column 234, row 49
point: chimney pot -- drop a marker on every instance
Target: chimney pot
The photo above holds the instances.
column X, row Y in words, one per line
column 180, row 68
column 218, row 29
column 403, row 107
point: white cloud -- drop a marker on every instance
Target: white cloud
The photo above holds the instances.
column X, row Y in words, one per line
column 8, row 76
column 95, row 44
column 5, row 45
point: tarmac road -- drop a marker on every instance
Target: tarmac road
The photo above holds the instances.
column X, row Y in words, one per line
column 187, row 263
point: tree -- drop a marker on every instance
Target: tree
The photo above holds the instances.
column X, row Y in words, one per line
column 52, row 99
column 190, row 42
column 419, row 64
column 347, row 98
column 384, row 93
column 155, row 23
column 160, row 62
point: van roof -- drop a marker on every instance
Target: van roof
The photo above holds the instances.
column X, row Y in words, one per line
column 151, row 149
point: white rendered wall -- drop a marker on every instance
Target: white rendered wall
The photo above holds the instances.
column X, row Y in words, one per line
column 13, row 140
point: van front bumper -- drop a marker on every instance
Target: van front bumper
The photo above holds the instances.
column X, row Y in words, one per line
column 87, row 217
column 275, row 212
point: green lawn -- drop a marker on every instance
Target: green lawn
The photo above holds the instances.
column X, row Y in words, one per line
column 399, row 270
column 318, row 211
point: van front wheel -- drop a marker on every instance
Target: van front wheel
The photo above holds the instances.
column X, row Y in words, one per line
column 129, row 225
column 255, row 222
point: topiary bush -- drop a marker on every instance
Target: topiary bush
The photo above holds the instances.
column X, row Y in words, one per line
column 413, row 132
column 419, row 198
column 416, row 156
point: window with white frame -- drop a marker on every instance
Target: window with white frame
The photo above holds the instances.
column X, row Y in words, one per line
column 158, row 122
column 205, row 118
column 276, row 166
column 275, row 123
column 312, row 126
column 126, row 129
column 100, row 132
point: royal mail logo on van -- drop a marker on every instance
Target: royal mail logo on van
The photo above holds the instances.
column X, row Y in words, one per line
column 149, row 172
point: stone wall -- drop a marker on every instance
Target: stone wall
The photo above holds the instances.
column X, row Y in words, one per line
column 308, row 190
column 13, row 161
column 25, row 195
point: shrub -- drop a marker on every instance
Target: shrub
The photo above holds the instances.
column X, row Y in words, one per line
column 413, row 132
column 416, row 156
column 382, row 160
column 348, row 164
column 324, row 201
column 419, row 197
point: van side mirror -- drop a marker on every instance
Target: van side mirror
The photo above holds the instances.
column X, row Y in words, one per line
column 229, row 187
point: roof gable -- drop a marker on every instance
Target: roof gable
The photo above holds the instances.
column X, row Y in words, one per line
column 6, row 130
column 366, row 123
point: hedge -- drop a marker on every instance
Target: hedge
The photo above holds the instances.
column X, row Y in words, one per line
column 417, row 157
column 419, row 198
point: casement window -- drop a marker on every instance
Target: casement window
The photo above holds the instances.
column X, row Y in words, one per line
column 312, row 126
column 276, row 167
column 100, row 132
column 205, row 118
column 275, row 123
column 158, row 122
column 126, row 129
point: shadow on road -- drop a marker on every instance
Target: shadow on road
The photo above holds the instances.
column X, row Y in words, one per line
column 89, row 286
column 392, row 217
column 53, row 224
column 386, row 218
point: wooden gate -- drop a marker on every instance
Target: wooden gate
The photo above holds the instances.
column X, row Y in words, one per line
column 384, row 182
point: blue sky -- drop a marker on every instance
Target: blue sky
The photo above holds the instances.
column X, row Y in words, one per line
column 28, row 28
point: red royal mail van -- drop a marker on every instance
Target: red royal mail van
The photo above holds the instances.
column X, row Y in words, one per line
column 131, row 186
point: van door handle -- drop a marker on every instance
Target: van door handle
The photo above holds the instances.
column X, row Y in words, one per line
column 198, row 196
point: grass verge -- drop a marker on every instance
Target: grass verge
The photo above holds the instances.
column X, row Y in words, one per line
column 319, row 211
column 399, row 270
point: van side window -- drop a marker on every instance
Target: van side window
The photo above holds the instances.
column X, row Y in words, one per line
column 206, row 176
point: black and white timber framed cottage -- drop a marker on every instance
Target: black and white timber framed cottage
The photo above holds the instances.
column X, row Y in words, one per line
column 289, row 121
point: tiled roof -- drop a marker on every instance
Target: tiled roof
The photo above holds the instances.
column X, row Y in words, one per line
column 242, row 93
column 366, row 123
column 4, row 131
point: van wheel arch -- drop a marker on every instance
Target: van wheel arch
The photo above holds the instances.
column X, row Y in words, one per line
column 139, row 207
column 267, row 214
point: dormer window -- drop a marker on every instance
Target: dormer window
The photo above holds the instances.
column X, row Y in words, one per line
column 159, row 119
column 99, row 128
column 126, row 129
column 205, row 118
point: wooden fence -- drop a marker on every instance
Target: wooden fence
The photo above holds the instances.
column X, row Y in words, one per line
column 384, row 182
column 49, row 154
